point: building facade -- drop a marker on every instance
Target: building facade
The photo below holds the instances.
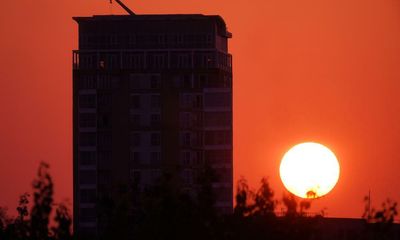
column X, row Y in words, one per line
column 151, row 94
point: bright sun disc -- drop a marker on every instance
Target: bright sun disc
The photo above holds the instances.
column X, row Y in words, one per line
column 309, row 170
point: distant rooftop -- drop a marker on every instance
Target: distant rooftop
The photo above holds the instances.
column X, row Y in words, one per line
column 150, row 17
column 153, row 17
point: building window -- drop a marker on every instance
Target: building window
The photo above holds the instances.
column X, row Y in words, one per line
column 87, row 120
column 104, row 159
column 178, row 39
column 135, row 81
column 186, row 139
column 209, row 38
column 104, row 177
column 87, row 195
column 191, row 100
column 103, row 121
column 184, row 60
column 186, row 101
column 136, row 176
column 134, row 61
column 109, row 61
column 186, row 120
column 224, row 194
column 87, row 177
column 144, row 81
column 87, row 139
column 181, row 60
column 137, row 61
column 218, row 157
column 218, row 137
column 113, row 41
column 155, row 82
column 187, row 176
column 224, row 175
column 135, row 139
column 104, row 139
column 155, row 101
column 157, row 60
column 132, row 40
column 87, row 61
column 87, row 158
column 217, row 119
column 162, row 39
column 203, row 80
column 135, row 101
column 87, row 100
column 197, row 158
column 204, row 60
column 104, row 100
column 135, row 120
column 155, row 158
column 222, row 99
column 225, row 83
column 186, row 158
column 135, row 158
column 187, row 81
column 104, row 82
column 87, row 214
column 87, row 82
column 155, row 175
column 155, row 120
column 155, row 139
column 198, row 101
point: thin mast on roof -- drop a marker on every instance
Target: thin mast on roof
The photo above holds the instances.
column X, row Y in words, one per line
column 124, row 7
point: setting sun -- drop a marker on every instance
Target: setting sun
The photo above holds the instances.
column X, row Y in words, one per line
column 309, row 170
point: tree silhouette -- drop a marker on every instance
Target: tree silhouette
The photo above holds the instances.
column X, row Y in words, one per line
column 296, row 223
column 295, row 208
column 165, row 210
column 64, row 221
column 242, row 199
column 22, row 208
column 264, row 203
column 43, row 200
column 379, row 223
column 4, row 222
column 34, row 225
column 290, row 203
column 21, row 224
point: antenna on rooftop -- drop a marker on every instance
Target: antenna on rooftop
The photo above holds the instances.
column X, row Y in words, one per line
column 123, row 6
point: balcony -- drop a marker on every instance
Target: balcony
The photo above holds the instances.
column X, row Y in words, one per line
column 151, row 59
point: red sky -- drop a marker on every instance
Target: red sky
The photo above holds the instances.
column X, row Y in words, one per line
column 325, row 71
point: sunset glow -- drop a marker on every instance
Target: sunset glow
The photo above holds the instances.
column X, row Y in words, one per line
column 323, row 71
column 309, row 170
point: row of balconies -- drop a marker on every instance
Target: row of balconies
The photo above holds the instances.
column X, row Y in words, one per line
column 155, row 59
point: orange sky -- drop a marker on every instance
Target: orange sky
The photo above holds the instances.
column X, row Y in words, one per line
column 325, row 71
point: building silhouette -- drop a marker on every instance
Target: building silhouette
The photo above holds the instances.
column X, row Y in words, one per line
column 152, row 94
